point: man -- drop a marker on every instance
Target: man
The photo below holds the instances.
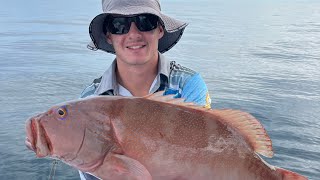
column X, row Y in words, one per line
column 138, row 33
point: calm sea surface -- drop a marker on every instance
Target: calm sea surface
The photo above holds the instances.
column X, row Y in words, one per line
column 262, row 57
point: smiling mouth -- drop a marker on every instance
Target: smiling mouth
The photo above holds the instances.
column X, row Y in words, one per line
column 136, row 47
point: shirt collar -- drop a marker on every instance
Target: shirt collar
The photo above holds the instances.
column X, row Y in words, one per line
column 163, row 66
column 109, row 80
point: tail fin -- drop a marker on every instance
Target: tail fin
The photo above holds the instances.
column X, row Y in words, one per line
column 289, row 175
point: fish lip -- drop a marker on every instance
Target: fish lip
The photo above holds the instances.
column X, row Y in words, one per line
column 43, row 143
column 37, row 139
column 29, row 144
column 31, row 134
column 46, row 140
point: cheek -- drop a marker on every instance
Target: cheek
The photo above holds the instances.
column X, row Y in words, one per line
column 157, row 35
column 154, row 40
column 116, row 41
column 154, row 36
column 66, row 137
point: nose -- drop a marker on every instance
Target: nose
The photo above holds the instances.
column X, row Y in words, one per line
column 134, row 31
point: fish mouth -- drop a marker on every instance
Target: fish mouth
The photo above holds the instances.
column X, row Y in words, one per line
column 30, row 143
column 37, row 139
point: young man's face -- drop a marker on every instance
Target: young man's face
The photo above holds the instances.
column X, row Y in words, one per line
column 136, row 47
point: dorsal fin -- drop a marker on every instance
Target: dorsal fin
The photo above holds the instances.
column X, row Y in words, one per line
column 248, row 126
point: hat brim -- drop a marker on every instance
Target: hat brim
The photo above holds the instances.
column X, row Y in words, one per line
column 173, row 30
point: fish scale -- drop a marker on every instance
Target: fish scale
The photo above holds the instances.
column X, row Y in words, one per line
column 154, row 137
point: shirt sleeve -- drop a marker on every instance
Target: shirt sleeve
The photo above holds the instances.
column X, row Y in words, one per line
column 195, row 90
column 88, row 91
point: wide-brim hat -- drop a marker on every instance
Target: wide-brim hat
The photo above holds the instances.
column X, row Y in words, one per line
column 173, row 29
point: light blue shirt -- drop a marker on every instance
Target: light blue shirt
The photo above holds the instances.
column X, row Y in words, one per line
column 172, row 78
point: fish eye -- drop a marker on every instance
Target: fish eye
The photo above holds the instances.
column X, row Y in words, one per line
column 62, row 111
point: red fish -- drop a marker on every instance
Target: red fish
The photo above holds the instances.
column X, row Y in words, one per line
column 155, row 137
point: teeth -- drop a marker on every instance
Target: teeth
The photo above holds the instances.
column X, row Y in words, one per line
column 134, row 47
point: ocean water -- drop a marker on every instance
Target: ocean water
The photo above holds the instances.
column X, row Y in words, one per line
column 262, row 57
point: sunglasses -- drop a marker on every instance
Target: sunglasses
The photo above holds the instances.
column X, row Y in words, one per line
column 121, row 25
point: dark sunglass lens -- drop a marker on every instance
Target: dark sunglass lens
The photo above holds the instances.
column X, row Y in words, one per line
column 118, row 25
column 146, row 22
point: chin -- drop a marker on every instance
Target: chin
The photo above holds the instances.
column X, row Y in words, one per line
column 137, row 62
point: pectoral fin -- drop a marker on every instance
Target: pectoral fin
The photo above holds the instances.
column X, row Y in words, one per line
column 121, row 167
column 289, row 175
